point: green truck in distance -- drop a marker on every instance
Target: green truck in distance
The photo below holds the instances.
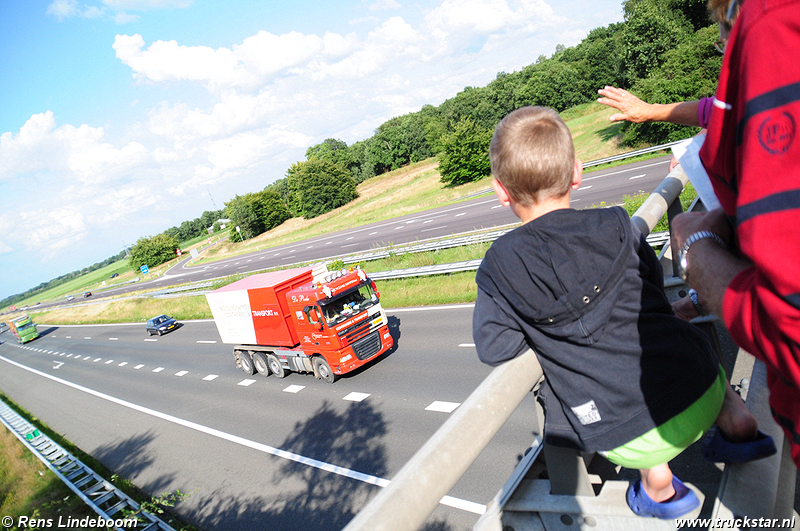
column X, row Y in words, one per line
column 24, row 329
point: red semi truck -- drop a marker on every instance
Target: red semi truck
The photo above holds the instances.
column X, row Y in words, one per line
column 303, row 320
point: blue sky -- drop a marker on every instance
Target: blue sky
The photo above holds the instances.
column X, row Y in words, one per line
column 120, row 117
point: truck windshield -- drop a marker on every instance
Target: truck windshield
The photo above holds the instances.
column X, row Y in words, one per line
column 348, row 304
column 25, row 326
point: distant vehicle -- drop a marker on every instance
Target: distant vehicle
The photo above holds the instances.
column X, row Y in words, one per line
column 24, row 329
column 161, row 325
column 70, row 297
column 115, row 275
column 87, row 294
column 3, row 326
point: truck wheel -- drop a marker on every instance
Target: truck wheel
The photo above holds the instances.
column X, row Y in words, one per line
column 275, row 366
column 246, row 362
column 323, row 370
column 260, row 363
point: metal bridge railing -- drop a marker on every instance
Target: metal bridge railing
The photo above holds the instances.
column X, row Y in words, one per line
column 413, row 494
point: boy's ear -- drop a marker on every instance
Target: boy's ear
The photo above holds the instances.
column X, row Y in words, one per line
column 502, row 193
column 577, row 176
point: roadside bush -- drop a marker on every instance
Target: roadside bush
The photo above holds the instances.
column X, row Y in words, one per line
column 153, row 251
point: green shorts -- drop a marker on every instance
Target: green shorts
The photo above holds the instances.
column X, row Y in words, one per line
column 662, row 444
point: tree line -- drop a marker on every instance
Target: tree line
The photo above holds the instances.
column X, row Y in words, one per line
column 663, row 51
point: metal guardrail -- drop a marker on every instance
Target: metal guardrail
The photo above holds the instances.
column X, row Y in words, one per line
column 112, row 505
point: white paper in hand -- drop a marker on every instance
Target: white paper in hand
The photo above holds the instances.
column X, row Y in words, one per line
column 688, row 153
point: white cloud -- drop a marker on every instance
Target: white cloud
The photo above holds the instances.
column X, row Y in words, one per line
column 5, row 249
column 62, row 9
column 144, row 5
column 383, row 5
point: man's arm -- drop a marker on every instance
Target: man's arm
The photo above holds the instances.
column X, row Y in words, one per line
column 633, row 109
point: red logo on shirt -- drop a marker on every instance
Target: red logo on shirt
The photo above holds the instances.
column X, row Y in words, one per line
column 777, row 133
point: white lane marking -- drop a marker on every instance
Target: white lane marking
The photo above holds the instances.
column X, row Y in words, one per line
column 356, row 397
column 69, row 337
column 181, row 373
column 461, row 214
column 371, row 233
column 158, row 369
column 443, row 407
column 434, row 228
column 638, row 176
column 246, row 383
column 113, row 339
column 497, row 206
column 294, row 388
column 151, row 339
column 87, row 337
column 109, row 362
column 86, row 358
column 58, row 364
column 96, row 360
column 450, row 501
column 584, row 188
column 206, row 341
column 139, row 366
column 467, row 345
column 211, row 377
column 122, row 364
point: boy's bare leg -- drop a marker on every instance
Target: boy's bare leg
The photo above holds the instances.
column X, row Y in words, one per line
column 657, row 482
column 735, row 420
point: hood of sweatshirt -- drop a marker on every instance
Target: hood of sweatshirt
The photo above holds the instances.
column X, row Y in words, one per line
column 562, row 272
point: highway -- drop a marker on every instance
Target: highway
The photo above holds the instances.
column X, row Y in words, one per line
column 173, row 412
column 264, row 453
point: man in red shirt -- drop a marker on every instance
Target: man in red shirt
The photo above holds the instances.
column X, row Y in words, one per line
column 744, row 260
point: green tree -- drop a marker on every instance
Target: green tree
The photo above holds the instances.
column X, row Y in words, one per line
column 466, row 154
column 319, row 186
column 153, row 251
column 689, row 72
column 651, row 28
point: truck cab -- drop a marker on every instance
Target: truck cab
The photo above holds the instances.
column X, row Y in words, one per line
column 340, row 317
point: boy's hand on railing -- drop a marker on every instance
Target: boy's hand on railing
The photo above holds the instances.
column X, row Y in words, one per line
column 684, row 309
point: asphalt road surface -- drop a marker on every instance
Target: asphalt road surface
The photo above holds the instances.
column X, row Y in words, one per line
column 257, row 452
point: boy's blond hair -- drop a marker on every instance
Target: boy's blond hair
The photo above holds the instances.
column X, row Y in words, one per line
column 532, row 155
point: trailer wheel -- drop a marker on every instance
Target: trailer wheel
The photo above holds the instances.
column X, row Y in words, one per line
column 260, row 363
column 246, row 362
column 323, row 370
column 275, row 366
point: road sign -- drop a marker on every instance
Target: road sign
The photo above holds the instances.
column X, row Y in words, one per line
column 145, row 269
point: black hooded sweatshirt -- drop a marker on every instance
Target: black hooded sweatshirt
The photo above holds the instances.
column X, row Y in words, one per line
column 585, row 291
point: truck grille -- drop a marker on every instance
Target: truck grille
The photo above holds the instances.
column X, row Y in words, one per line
column 368, row 346
column 354, row 331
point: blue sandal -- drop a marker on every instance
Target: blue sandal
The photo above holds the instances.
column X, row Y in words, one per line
column 717, row 449
column 684, row 501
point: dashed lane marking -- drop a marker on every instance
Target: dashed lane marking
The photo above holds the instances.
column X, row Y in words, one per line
column 181, row 373
column 356, row 397
column 443, row 407
column 158, row 369
column 246, row 383
column 294, row 388
column 211, row 377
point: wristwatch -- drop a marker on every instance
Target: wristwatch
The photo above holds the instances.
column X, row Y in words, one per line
column 696, row 237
